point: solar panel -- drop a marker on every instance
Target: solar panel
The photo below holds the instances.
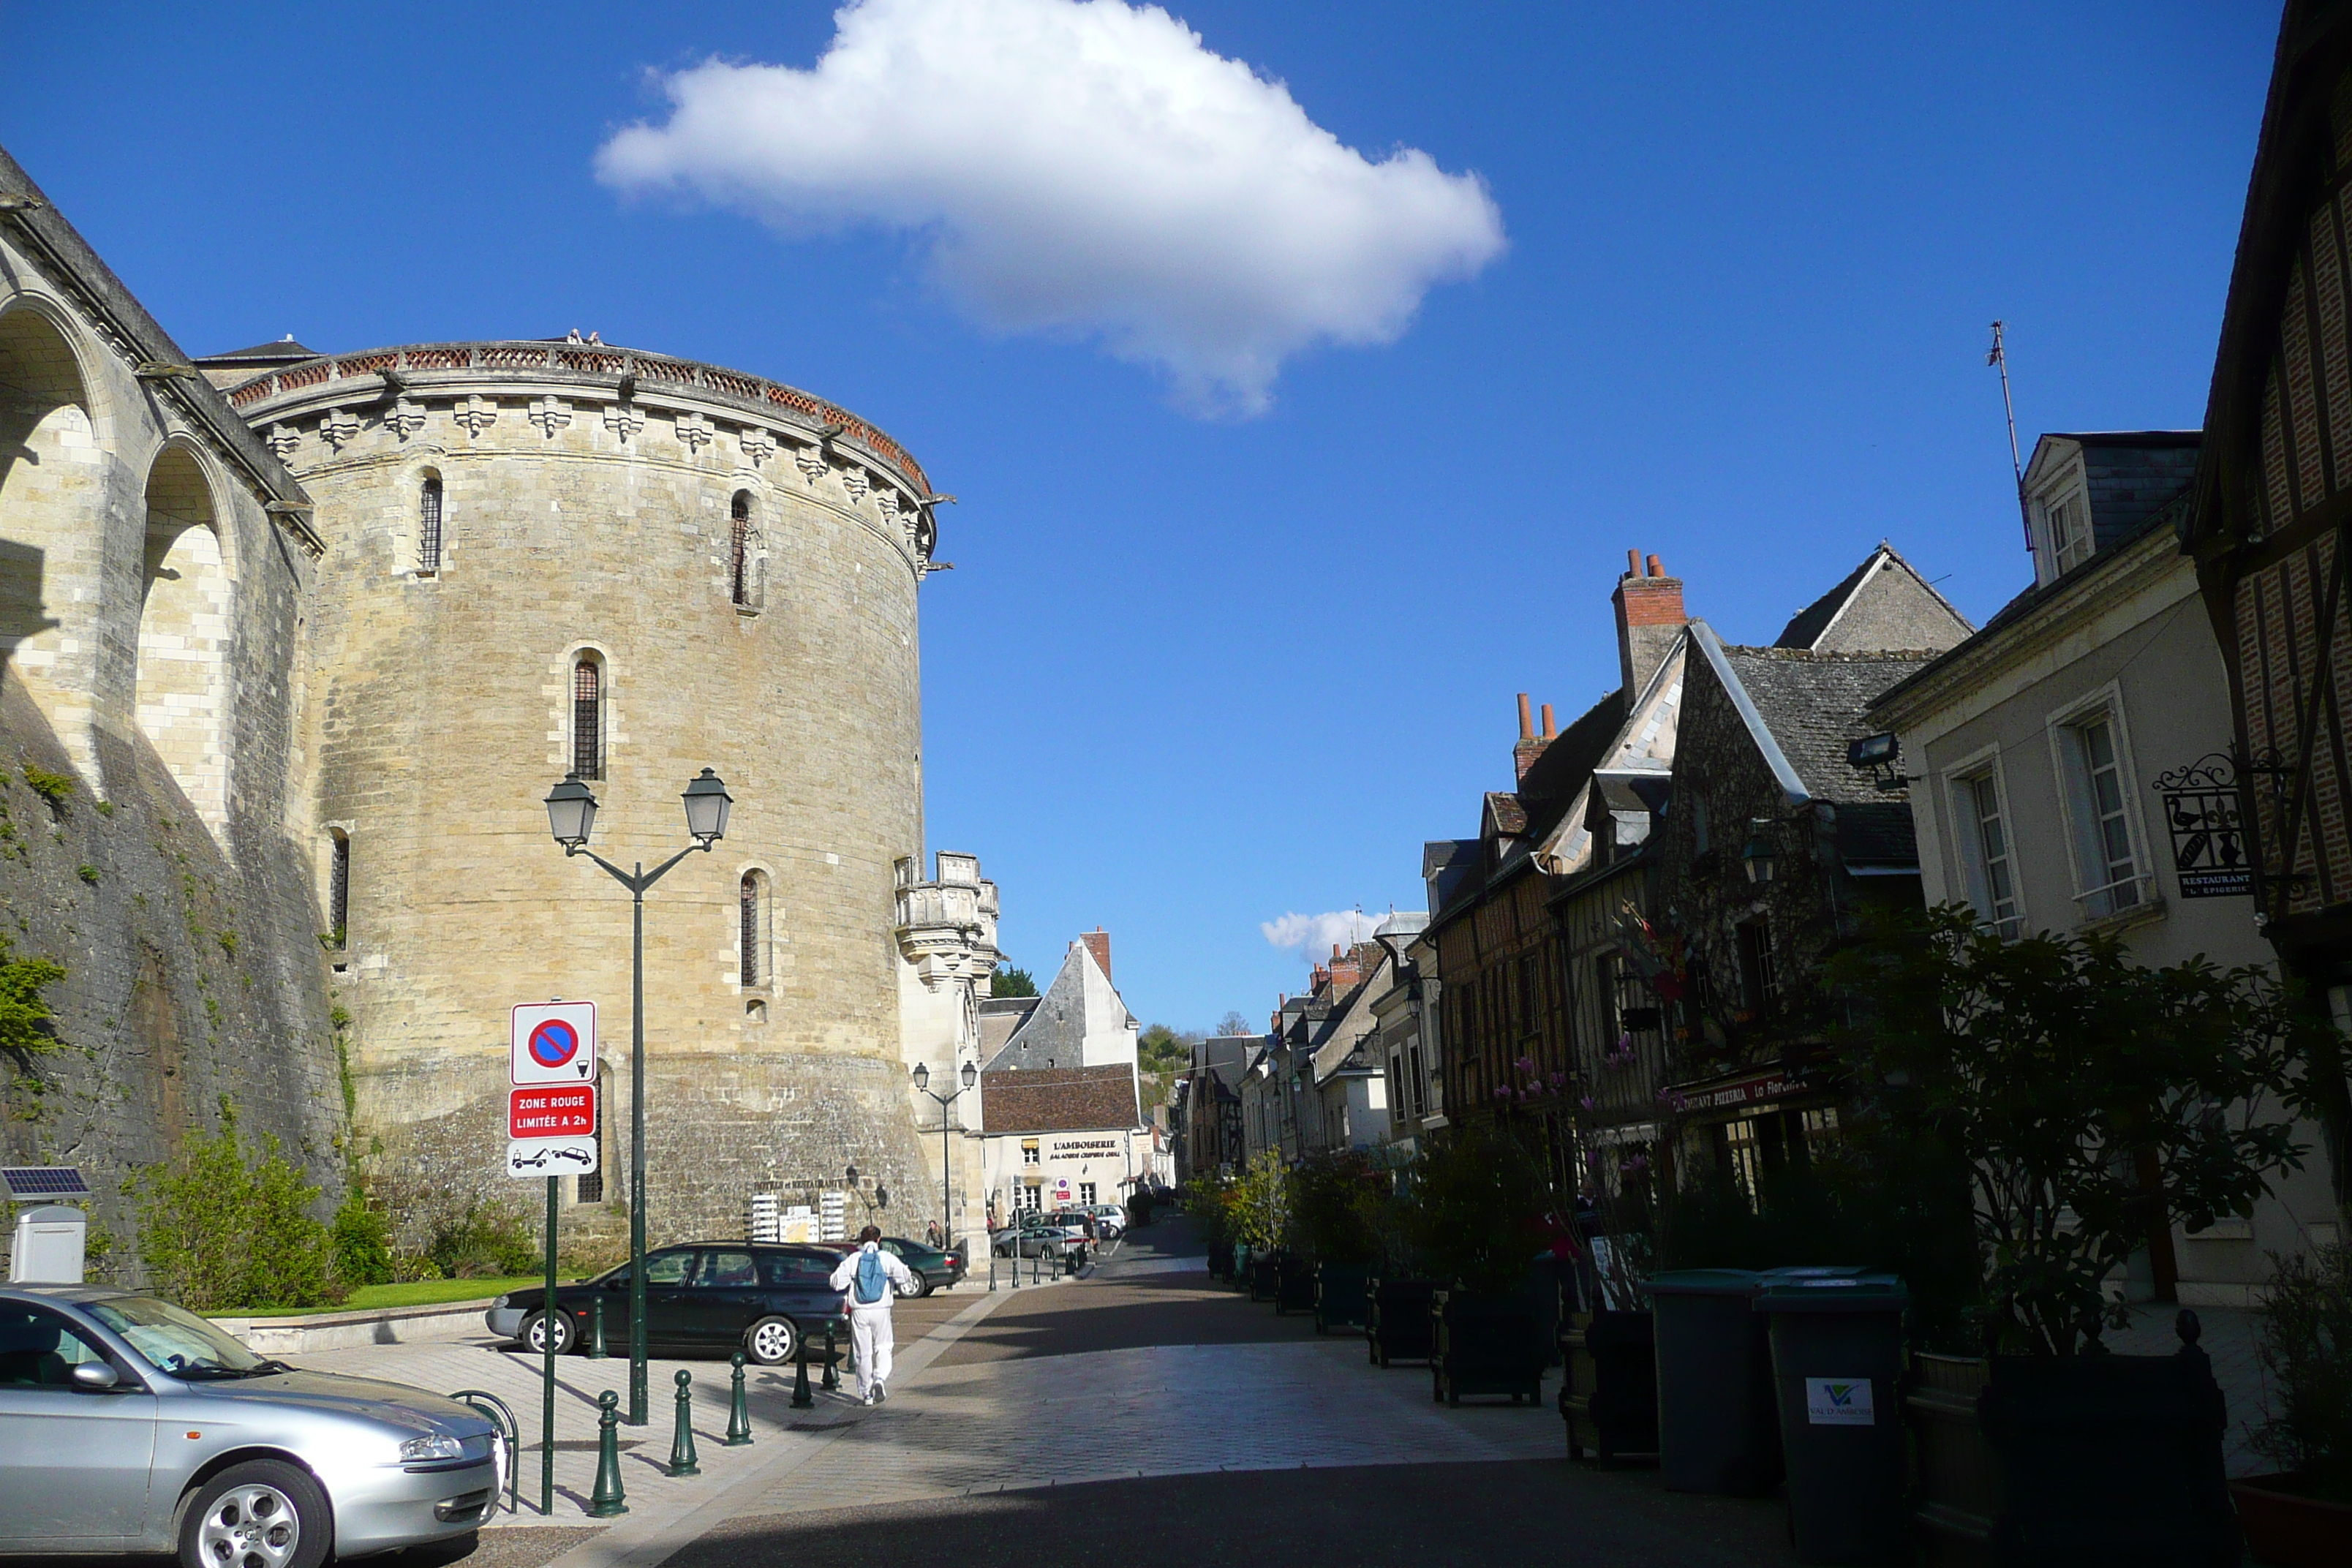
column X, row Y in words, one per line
column 44, row 1182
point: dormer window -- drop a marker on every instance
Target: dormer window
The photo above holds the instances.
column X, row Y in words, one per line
column 2066, row 529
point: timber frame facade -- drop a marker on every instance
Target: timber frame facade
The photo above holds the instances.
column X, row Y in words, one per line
column 2271, row 528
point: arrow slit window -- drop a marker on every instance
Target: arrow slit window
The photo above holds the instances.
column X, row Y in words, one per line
column 339, row 886
column 428, row 526
column 743, row 559
column 752, row 933
column 588, row 717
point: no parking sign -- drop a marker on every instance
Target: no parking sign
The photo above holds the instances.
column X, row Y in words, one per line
column 553, row 1042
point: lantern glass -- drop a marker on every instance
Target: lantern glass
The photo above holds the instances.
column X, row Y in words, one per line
column 571, row 812
column 922, row 1077
column 707, row 801
column 971, row 1075
column 1759, row 858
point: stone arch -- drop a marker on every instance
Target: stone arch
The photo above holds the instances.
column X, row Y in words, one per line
column 182, row 691
column 755, row 915
column 52, row 522
column 588, row 711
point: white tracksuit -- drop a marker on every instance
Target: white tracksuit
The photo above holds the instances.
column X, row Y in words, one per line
column 871, row 1338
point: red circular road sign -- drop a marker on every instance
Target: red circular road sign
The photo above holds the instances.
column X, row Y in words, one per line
column 554, row 1043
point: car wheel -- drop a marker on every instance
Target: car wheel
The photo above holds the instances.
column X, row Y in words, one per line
column 535, row 1330
column 772, row 1342
column 264, row 1513
column 922, row 1286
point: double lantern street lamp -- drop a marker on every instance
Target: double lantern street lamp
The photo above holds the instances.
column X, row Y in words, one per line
column 570, row 813
column 947, row 1176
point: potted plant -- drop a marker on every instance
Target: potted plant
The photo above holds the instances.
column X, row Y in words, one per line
column 1478, row 1215
column 2085, row 1101
column 2302, row 1517
column 1330, row 1215
column 1259, row 1205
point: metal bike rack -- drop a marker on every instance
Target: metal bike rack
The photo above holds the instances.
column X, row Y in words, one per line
column 487, row 1404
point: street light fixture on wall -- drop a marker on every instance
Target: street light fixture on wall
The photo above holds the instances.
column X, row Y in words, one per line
column 947, row 1181
column 571, row 817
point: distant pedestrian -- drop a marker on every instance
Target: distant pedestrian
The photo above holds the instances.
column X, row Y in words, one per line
column 932, row 1234
column 872, row 1279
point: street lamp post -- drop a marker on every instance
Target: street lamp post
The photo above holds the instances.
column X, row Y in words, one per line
column 571, row 814
column 947, row 1175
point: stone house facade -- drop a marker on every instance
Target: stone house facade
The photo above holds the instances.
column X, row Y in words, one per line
column 1059, row 1095
column 2042, row 750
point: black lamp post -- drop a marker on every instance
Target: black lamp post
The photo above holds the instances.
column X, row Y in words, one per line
column 947, row 1177
column 571, row 814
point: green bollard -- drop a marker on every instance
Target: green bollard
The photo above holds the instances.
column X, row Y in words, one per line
column 738, row 1411
column 832, row 1362
column 801, row 1397
column 606, row 1500
column 681, row 1446
column 596, row 1328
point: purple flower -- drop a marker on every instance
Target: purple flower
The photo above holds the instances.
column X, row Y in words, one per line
column 1586, row 1102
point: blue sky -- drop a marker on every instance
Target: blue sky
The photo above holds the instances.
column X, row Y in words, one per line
column 1203, row 664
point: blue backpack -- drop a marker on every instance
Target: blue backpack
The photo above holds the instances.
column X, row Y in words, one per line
column 872, row 1283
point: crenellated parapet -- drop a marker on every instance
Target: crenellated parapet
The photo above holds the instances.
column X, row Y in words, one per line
column 946, row 927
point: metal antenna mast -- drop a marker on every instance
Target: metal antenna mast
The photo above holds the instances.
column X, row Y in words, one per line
column 1999, row 357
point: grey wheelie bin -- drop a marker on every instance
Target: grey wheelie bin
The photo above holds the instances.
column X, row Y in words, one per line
column 1837, row 1361
column 1717, row 1430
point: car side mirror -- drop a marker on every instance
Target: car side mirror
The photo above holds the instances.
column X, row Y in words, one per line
column 95, row 1375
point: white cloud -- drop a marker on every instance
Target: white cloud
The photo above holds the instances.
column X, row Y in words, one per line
column 1312, row 937
column 1085, row 169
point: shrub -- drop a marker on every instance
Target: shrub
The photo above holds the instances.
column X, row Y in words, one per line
column 1329, row 1215
column 1258, row 1204
column 2307, row 1348
column 488, row 1241
column 51, row 787
column 24, row 1024
column 223, row 1228
column 414, row 1267
column 362, row 1242
column 1477, row 1212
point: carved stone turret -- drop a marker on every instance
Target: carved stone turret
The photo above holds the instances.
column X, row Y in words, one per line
column 946, row 927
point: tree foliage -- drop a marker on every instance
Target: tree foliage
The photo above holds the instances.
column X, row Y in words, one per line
column 24, row 1015
column 2065, row 1081
column 1161, row 1049
column 2306, row 1349
column 1478, row 1202
column 1258, row 1204
column 1010, row 981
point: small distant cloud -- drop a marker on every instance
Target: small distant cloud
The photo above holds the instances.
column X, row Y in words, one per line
column 1090, row 170
column 1312, row 937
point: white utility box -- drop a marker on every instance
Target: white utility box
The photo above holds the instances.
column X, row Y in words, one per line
column 49, row 1250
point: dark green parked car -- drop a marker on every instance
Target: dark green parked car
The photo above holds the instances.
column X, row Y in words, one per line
column 934, row 1268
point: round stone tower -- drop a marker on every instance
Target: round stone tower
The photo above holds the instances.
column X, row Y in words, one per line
column 549, row 557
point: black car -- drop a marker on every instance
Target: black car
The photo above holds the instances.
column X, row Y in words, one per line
column 712, row 1297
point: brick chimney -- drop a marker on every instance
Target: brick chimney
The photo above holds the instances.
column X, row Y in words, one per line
column 1347, row 969
column 1099, row 943
column 1531, row 745
column 1649, row 617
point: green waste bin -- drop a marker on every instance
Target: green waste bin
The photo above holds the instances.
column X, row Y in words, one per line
column 1837, row 1360
column 1717, row 1431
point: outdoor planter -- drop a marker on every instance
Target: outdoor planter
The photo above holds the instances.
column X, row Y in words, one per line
column 2285, row 1526
column 1221, row 1263
column 1341, row 1295
column 1958, row 1486
column 1264, row 1276
column 1485, row 1344
column 1609, row 1384
column 1396, row 1319
column 2110, row 1459
column 1294, row 1285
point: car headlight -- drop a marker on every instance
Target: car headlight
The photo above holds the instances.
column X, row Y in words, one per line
column 499, row 1302
column 425, row 1450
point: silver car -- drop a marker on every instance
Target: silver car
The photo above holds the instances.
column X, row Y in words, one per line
column 129, row 1424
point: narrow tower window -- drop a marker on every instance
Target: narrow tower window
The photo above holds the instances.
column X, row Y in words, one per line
column 338, row 889
column 588, row 718
column 751, row 928
column 428, row 527
column 740, row 557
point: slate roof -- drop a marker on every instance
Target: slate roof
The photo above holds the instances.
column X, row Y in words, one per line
column 999, row 1018
column 1509, row 817
column 1057, row 1099
column 2132, row 475
column 1053, row 1030
column 1552, row 780
column 1876, row 833
column 1814, row 703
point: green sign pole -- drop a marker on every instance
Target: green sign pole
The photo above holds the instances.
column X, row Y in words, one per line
column 546, row 1309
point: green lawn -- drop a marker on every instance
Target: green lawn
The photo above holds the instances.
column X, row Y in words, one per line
column 420, row 1293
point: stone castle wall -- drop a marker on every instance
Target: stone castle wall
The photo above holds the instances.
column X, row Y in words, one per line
column 150, row 605
column 584, row 515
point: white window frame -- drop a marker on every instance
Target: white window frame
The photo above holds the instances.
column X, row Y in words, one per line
column 2095, row 893
column 2070, row 488
column 1983, row 765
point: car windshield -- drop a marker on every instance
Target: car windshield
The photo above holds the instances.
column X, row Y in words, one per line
column 176, row 1341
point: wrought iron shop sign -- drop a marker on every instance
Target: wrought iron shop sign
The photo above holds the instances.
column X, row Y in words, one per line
column 2209, row 840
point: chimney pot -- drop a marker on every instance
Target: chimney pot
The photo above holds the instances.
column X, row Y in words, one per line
column 1549, row 733
column 1527, row 721
column 1632, row 564
column 1657, row 569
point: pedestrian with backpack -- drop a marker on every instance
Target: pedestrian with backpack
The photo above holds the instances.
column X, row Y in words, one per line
column 872, row 1279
